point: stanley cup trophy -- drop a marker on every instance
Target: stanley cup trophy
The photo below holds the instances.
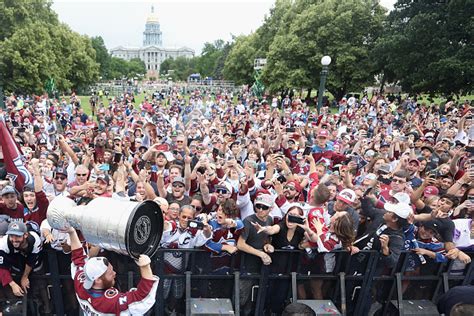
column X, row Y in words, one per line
column 129, row 228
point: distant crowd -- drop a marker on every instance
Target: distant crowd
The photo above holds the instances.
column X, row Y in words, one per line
column 235, row 174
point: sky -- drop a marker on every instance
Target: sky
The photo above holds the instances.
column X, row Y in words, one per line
column 188, row 23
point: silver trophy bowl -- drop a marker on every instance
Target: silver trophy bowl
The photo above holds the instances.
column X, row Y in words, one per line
column 129, row 228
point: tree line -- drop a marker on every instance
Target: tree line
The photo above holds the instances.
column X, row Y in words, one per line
column 426, row 46
column 37, row 49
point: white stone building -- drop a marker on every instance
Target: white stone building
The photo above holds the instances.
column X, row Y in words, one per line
column 152, row 52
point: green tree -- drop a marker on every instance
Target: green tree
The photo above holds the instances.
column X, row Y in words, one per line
column 136, row 67
column 344, row 30
column 239, row 63
column 36, row 47
column 428, row 46
column 102, row 56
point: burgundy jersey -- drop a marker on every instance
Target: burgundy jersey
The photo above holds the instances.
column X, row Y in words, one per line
column 110, row 301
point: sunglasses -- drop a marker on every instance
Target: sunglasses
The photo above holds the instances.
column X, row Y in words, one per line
column 197, row 208
column 398, row 181
column 178, row 185
column 262, row 207
column 60, row 178
column 289, row 187
column 180, row 141
column 222, row 191
column 81, row 174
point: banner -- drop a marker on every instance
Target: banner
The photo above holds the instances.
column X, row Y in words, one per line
column 13, row 158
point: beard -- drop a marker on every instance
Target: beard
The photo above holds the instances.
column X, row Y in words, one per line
column 108, row 283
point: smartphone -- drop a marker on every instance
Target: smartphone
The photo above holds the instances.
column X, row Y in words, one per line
column 290, row 129
column 307, row 151
column 296, row 219
column 215, row 152
column 91, row 145
column 281, row 179
column 117, row 157
column 21, row 129
column 201, row 170
column 195, row 224
column 141, row 164
column 154, row 168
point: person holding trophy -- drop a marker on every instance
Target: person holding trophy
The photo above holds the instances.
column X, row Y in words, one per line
column 94, row 281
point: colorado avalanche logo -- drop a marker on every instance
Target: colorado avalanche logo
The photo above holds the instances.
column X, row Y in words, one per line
column 22, row 169
column 110, row 293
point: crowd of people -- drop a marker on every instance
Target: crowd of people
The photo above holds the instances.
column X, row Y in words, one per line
column 235, row 174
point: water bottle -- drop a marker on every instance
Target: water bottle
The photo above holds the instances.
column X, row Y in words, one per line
column 422, row 258
column 380, row 230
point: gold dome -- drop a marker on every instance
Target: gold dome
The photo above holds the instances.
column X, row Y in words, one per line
column 152, row 18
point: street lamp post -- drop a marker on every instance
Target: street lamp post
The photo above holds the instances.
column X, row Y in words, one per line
column 325, row 61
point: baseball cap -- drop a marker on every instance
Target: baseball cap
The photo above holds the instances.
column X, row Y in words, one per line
column 400, row 209
column 265, row 199
column 370, row 176
column 430, row 191
column 179, row 180
column 369, row 153
column 323, row 133
column 224, row 185
column 103, row 177
column 8, row 189
column 16, row 228
column 295, row 184
column 93, row 269
column 402, row 197
column 60, row 170
column 415, row 161
column 385, row 169
column 430, row 225
column 347, row 196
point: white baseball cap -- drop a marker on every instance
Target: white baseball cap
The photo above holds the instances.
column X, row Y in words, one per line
column 402, row 197
column 93, row 269
column 402, row 210
column 265, row 199
column 347, row 195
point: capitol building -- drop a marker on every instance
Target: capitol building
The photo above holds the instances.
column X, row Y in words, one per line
column 152, row 52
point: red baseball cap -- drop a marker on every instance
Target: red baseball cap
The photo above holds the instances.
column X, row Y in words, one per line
column 295, row 184
column 430, row 191
column 323, row 133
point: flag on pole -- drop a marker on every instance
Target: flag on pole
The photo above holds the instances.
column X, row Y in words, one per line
column 13, row 158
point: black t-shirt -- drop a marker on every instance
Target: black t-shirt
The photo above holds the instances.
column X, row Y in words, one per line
column 250, row 235
column 445, row 226
column 280, row 240
column 253, row 263
column 186, row 200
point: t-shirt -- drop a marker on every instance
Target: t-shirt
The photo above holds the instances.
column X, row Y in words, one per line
column 257, row 241
column 280, row 240
column 186, row 200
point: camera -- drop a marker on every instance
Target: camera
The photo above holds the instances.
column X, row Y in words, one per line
column 290, row 129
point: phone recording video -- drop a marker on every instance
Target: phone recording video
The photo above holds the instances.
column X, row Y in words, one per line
column 296, row 219
column 196, row 224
